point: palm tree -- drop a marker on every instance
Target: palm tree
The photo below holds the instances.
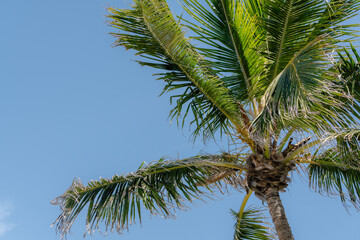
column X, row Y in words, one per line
column 263, row 72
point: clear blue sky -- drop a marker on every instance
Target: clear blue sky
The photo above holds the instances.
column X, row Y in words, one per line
column 73, row 106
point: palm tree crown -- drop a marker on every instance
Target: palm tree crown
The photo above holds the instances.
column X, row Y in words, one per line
column 263, row 72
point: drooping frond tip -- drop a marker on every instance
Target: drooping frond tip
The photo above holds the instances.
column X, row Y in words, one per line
column 159, row 187
column 251, row 226
column 336, row 171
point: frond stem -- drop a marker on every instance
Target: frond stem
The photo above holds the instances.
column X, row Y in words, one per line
column 134, row 175
column 243, row 204
column 285, row 139
column 333, row 164
column 217, row 177
column 302, row 149
column 267, row 146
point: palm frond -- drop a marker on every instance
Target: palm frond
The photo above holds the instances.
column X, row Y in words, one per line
column 160, row 188
column 303, row 94
column 337, row 170
column 250, row 225
column 328, row 174
column 349, row 69
column 254, row 7
column 348, row 143
column 151, row 30
column 288, row 24
column 230, row 35
column 333, row 17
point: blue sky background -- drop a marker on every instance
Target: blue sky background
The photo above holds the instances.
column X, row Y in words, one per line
column 73, row 106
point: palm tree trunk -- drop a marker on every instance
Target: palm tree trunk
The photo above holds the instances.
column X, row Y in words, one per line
column 278, row 216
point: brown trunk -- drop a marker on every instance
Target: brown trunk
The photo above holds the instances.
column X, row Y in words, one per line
column 278, row 216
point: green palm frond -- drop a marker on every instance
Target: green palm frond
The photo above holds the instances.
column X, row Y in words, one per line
column 291, row 24
column 288, row 24
column 151, row 30
column 348, row 143
column 250, row 225
column 330, row 175
column 349, row 69
column 254, row 7
column 159, row 187
column 230, row 35
column 337, row 170
column 333, row 17
column 303, row 94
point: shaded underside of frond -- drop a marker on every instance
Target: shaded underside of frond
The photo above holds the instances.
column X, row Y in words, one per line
column 160, row 188
column 300, row 89
column 348, row 142
column 151, row 30
column 304, row 95
column 337, row 170
column 251, row 225
column 332, row 177
column 349, row 69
